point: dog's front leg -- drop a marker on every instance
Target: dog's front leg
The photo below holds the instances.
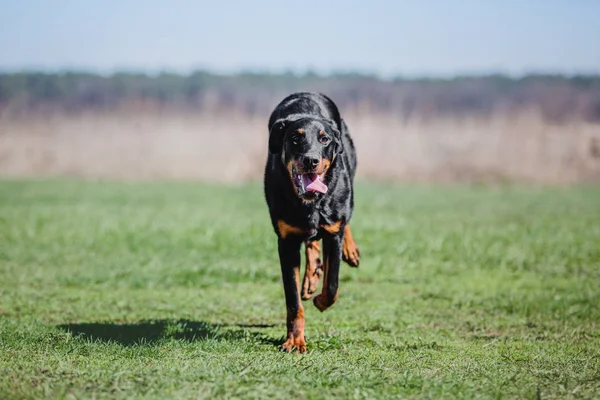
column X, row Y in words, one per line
column 332, row 254
column 289, row 257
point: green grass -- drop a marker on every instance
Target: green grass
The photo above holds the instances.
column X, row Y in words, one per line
column 154, row 290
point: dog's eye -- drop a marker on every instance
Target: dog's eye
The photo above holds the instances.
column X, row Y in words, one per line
column 294, row 139
column 324, row 139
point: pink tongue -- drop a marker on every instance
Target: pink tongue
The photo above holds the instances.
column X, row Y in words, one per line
column 313, row 183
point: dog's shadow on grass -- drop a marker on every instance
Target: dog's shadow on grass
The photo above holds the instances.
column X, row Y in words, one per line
column 154, row 331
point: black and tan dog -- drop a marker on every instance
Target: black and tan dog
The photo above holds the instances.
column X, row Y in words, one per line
column 309, row 190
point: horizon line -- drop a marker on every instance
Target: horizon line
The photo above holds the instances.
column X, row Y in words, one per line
column 302, row 72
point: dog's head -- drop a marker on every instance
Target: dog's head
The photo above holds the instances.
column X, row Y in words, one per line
column 307, row 148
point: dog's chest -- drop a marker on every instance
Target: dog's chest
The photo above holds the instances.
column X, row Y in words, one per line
column 310, row 222
column 320, row 220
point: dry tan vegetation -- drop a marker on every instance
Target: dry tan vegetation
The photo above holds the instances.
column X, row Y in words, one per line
column 232, row 148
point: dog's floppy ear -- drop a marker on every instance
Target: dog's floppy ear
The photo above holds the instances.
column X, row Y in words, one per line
column 276, row 136
column 337, row 136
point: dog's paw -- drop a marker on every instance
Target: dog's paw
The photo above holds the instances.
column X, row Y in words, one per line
column 351, row 254
column 306, row 294
column 323, row 302
column 294, row 344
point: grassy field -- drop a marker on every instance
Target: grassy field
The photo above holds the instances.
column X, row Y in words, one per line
column 154, row 290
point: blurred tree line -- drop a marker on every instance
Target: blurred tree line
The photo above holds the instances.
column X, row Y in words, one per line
column 558, row 98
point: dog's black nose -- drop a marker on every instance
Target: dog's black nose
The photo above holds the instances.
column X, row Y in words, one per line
column 310, row 162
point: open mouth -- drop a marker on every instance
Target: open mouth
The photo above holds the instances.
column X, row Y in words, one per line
column 309, row 182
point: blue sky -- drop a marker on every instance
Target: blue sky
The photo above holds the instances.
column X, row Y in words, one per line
column 426, row 37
